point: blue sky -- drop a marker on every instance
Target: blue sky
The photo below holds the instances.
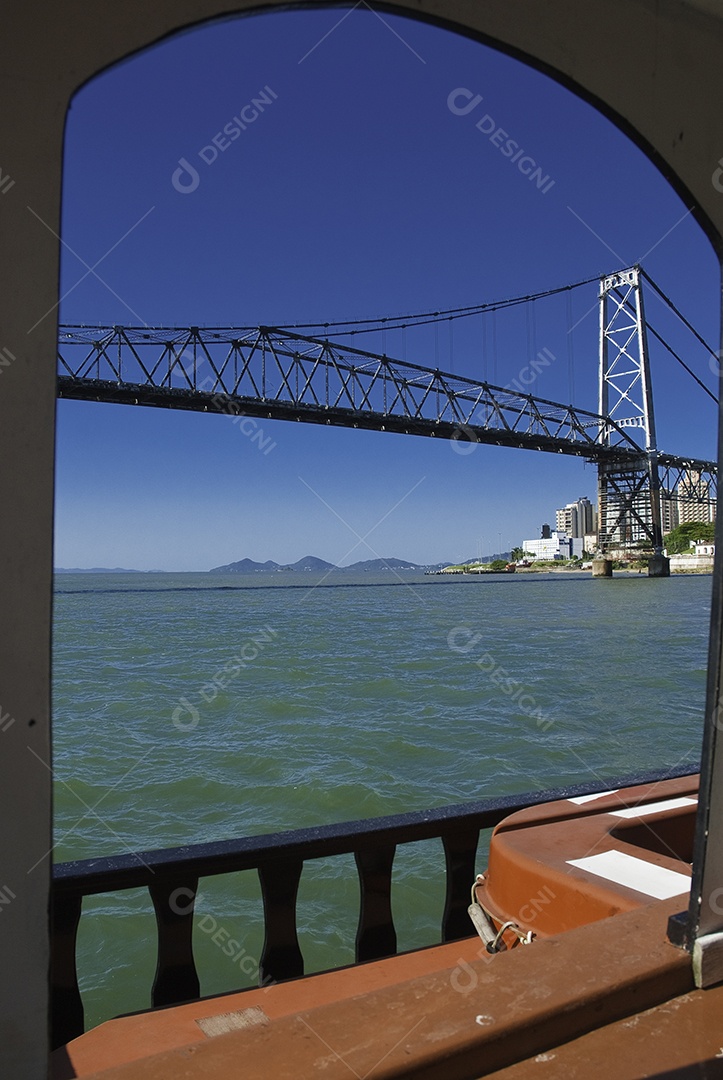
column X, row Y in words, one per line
column 356, row 193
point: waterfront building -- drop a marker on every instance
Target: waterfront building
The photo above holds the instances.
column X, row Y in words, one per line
column 577, row 518
column 695, row 488
column 556, row 546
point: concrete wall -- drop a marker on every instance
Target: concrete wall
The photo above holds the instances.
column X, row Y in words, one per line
column 695, row 564
column 652, row 64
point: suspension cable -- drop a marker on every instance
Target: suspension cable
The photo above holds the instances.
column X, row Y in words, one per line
column 672, row 352
column 396, row 322
column 570, row 349
column 682, row 317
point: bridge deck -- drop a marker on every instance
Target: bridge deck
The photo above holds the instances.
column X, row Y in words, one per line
column 275, row 374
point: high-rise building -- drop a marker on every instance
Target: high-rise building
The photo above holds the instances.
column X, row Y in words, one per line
column 669, row 518
column 691, row 508
column 577, row 519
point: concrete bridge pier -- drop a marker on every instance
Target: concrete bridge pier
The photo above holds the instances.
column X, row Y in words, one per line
column 659, row 566
column 602, row 567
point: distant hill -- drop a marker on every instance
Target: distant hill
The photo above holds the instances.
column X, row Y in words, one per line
column 246, row 566
column 506, row 555
column 311, row 562
column 383, row 564
column 97, row 570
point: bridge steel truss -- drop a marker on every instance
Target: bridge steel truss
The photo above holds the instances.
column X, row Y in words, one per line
column 634, row 504
column 277, row 374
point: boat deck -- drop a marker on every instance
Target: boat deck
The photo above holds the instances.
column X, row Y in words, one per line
column 681, row 1039
column 570, row 996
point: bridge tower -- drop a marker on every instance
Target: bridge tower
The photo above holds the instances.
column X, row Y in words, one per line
column 628, row 495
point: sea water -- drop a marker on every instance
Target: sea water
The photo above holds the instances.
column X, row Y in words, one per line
column 197, row 707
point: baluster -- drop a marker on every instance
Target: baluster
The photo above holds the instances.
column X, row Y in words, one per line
column 67, row 1016
column 281, row 956
column 176, row 977
column 460, row 850
column 376, row 936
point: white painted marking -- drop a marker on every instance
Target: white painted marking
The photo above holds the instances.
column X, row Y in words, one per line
column 654, row 808
column 589, row 798
column 637, row 874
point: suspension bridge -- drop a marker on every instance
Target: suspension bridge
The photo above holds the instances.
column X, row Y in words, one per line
column 280, row 373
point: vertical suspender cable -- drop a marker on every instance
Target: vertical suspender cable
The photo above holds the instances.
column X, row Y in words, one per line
column 484, row 348
column 570, row 350
column 531, row 331
column 533, row 321
column 494, row 346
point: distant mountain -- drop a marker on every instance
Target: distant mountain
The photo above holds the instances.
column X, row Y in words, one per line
column 246, row 566
column 507, row 555
column 383, row 564
column 97, row 570
column 311, row 562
